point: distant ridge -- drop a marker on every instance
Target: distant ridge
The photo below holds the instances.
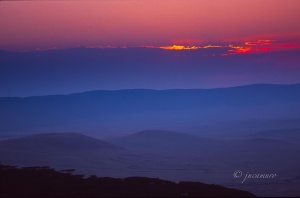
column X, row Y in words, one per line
column 140, row 109
column 261, row 85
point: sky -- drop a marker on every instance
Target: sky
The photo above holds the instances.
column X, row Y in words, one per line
column 180, row 44
column 64, row 24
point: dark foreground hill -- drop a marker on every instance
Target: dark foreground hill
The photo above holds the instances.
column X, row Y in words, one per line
column 47, row 182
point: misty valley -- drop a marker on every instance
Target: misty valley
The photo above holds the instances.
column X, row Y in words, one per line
column 245, row 138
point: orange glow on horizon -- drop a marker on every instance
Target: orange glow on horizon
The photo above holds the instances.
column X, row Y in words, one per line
column 259, row 46
column 179, row 47
column 183, row 47
column 259, row 42
column 239, row 49
column 213, row 46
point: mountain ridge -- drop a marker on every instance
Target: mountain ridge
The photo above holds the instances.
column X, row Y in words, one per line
column 141, row 109
column 159, row 90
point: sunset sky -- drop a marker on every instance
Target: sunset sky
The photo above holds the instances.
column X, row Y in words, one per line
column 28, row 25
column 211, row 28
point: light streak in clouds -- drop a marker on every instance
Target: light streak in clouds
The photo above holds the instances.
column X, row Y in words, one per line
column 262, row 46
column 179, row 47
column 259, row 46
column 213, row 46
column 184, row 47
column 102, row 47
column 239, row 49
column 259, row 42
column 248, row 47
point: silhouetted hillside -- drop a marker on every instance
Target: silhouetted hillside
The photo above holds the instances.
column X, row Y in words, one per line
column 46, row 182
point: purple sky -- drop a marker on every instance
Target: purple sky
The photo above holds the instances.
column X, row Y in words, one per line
column 146, row 44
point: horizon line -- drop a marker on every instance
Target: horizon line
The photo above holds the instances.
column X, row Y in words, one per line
column 149, row 89
column 245, row 47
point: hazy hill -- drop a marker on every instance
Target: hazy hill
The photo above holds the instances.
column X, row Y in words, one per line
column 61, row 141
column 59, row 150
column 280, row 133
column 167, row 141
column 162, row 140
column 122, row 111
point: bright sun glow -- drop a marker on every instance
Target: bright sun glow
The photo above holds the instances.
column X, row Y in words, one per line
column 179, row 47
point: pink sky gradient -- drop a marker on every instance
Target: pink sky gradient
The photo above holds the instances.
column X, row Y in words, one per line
column 28, row 25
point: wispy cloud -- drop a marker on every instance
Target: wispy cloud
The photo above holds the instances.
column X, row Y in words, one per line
column 261, row 46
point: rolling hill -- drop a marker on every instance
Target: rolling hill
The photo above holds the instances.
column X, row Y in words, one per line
column 159, row 139
column 60, row 150
column 62, row 141
column 123, row 111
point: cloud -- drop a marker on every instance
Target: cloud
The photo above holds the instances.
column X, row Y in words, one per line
column 261, row 46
